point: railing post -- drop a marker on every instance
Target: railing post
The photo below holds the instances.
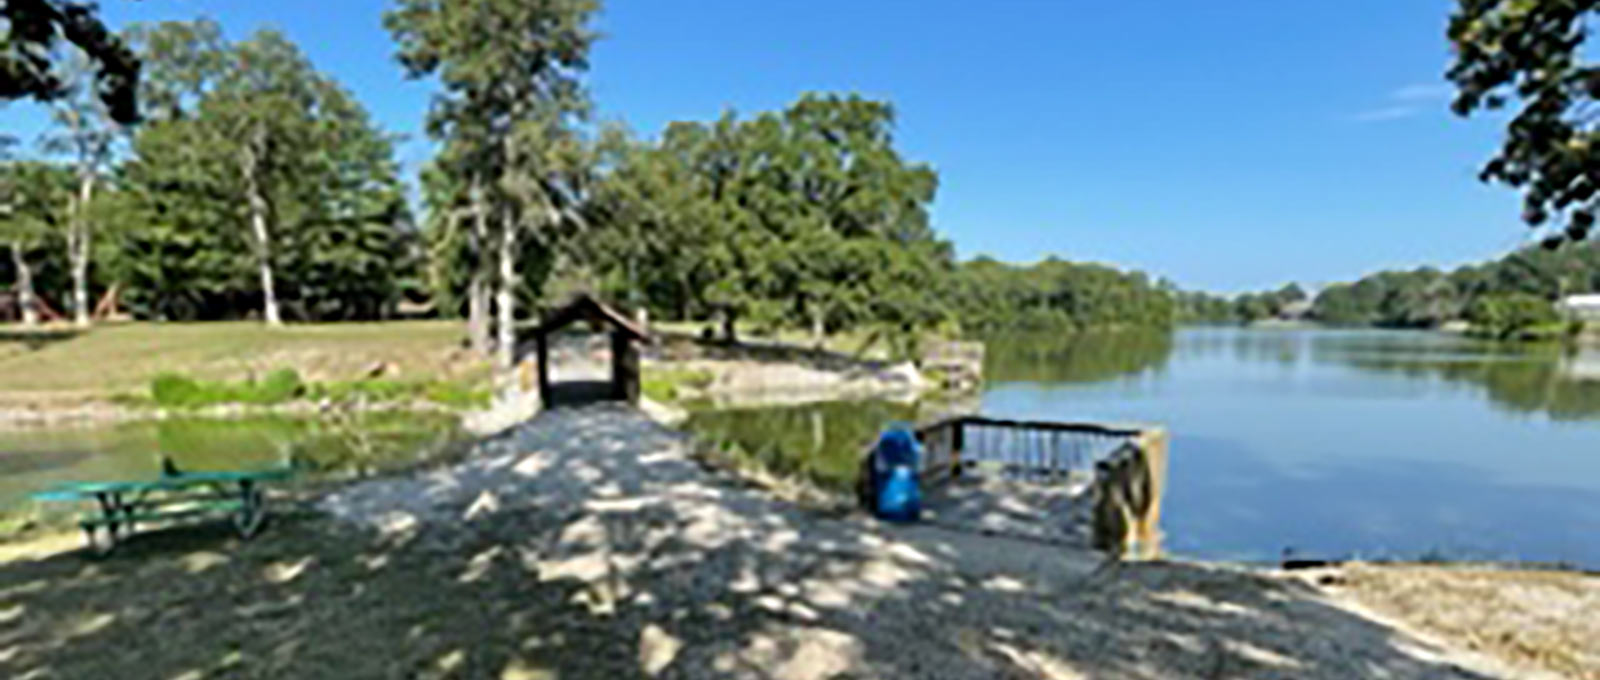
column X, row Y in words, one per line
column 958, row 442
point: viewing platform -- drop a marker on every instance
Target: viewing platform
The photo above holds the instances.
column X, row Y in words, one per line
column 1084, row 485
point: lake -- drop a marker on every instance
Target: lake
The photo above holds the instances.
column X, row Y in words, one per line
column 1332, row 443
column 31, row 459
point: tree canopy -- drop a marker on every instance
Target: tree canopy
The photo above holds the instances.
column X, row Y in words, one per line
column 251, row 161
column 512, row 98
column 28, row 54
column 1531, row 52
column 809, row 214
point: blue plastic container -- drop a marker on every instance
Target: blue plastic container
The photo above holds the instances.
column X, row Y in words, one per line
column 896, row 489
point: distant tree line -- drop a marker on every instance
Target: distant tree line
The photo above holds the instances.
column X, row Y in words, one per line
column 1515, row 291
column 1202, row 307
column 988, row 295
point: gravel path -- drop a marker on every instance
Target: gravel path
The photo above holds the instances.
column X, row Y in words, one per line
column 696, row 576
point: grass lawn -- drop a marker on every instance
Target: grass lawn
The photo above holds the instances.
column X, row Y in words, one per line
column 61, row 363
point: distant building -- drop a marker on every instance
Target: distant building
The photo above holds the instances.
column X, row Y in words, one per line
column 1581, row 307
column 1582, row 365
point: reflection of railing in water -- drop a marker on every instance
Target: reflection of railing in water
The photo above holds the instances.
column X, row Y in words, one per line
column 1128, row 465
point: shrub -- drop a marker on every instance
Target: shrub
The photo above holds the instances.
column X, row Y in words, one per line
column 280, row 386
column 1508, row 316
column 457, row 395
column 666, row 386
column 175, row 390
column 657, row 389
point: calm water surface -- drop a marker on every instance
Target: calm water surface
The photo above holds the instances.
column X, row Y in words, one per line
column 36, row 458
column 1332, row 443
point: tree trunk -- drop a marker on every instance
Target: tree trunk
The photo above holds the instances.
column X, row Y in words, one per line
column 505, row 297
column 478, row 287
column 729, row 321
column 78, row 250
column 26, row 299
column 269, row 292
column 263, row 236
column 478, row 313
column 684, row 291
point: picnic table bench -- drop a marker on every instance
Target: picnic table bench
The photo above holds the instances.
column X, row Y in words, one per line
column 121, row 506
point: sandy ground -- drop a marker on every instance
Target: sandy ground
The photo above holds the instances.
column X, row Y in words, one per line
column 1532, row 619
column 589, row 544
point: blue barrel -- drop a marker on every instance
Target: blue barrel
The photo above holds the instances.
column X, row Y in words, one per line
column 896, row 490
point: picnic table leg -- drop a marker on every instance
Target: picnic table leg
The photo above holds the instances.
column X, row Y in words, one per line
column 111, row 507
column 252, row 509
column 130, row 508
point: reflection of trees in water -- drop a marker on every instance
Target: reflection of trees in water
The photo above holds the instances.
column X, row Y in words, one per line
column 1075, row 357
column 821, row 442
column 1522, row 379
column 344, row 442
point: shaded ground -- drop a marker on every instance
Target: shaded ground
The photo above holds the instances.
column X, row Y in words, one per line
column 587, row 544
column 1051, row 513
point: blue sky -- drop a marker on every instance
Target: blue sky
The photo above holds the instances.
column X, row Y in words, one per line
column 1228, row 144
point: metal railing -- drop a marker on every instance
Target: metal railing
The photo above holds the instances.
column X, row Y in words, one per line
column 1035, row 451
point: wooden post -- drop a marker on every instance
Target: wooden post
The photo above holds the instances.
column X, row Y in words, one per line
column 624, row 369
column 546, row 397
column 958, row 441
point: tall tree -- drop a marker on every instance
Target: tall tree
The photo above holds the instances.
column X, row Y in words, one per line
column 35, row 207
column 510, row 71
column 1532, row 51
column 28, row 49
column 85, row 133
column 250, row 136
column 458, row 237
column 805, row 215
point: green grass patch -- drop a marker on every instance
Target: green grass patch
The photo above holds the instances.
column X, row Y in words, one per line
column 671, row 385
column 460, row 395
column 175, row 390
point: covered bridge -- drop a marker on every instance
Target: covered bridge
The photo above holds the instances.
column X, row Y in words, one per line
column 625, row 336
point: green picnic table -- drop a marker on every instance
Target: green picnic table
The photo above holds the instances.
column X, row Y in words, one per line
column 121, row 506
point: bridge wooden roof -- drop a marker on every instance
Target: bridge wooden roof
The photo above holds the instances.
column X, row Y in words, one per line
column 585, row 308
